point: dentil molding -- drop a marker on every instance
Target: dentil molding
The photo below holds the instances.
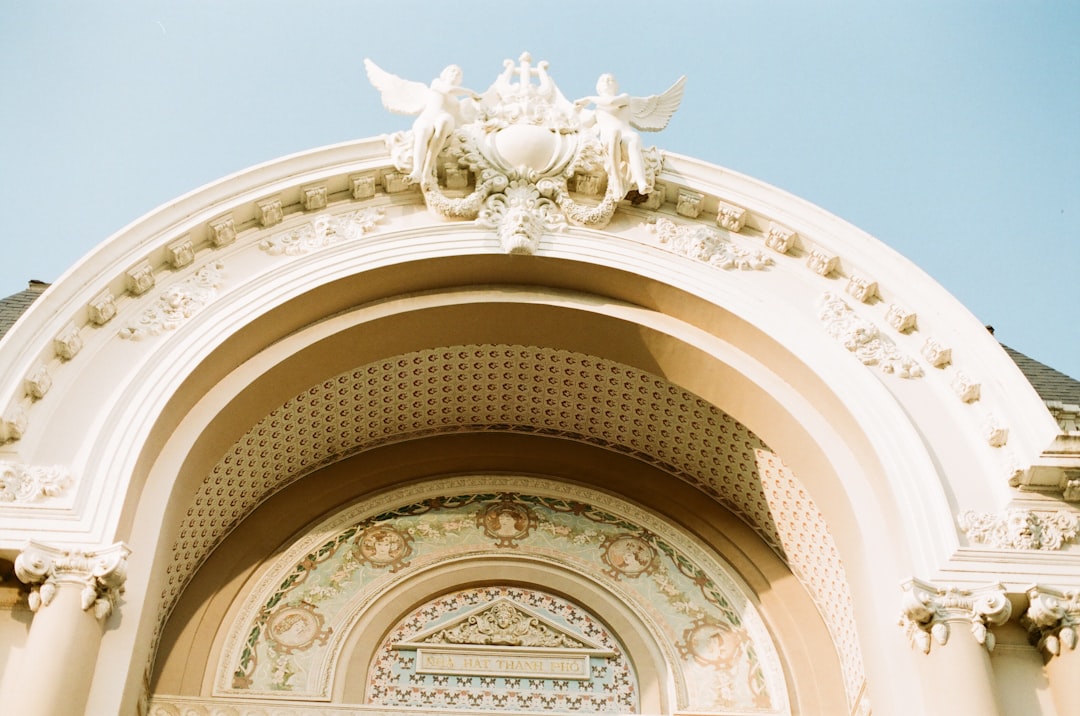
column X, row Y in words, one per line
column 99, row 573
column 928, row 611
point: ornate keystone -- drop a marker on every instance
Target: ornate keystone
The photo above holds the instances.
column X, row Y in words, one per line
column 533, row 153
column 929, row 610
column 1052, row 618
column 100, row 574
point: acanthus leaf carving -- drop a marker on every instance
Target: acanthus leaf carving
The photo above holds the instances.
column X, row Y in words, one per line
column 98, row 574
column 928, row 610
column 177, row 303
column 1052, row 618
column 322, row 231
column 27, row 484
column 1020, row 529
column 704, row 244
column 863, row 338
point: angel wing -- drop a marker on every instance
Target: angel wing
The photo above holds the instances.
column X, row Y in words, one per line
column 398, row 95
column 652, row 113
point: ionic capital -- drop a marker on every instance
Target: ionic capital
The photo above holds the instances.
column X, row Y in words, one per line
column 1052, row 618
column 929, row 610
column 100, row 574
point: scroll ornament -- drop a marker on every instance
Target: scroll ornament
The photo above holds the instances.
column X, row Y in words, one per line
column 525, row 145
column 24, row 484
column 177, row 304
column 928, row 611
column 100, row 574
column 1021, row 529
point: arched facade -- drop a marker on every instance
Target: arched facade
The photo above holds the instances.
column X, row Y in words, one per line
column 734, row 440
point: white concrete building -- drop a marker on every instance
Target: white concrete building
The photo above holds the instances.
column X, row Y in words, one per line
column 510, row 413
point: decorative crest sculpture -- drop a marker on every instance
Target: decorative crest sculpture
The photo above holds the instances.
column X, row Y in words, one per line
column 510, row 156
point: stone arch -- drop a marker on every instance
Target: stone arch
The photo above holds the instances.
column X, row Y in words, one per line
column 170, row 342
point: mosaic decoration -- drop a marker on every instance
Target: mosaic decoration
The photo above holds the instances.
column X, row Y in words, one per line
column 286, row 646
column 606, row 685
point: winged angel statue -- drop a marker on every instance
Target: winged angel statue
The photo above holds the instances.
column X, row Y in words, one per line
column 438, row 112
column 525, row 145
column 617, row 115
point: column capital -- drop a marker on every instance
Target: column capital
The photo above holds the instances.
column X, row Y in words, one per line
column 928, row 610
column 100, row 573
column 1052, row 618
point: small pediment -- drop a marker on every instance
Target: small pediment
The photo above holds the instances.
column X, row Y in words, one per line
column 503, row 623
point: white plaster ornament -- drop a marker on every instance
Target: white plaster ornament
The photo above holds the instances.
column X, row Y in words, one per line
column 524, row 145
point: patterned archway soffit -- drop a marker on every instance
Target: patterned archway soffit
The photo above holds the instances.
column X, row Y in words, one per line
column 525, row 389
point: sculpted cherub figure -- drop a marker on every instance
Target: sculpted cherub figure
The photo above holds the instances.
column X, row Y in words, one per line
column 437, row 108
column 617, row 115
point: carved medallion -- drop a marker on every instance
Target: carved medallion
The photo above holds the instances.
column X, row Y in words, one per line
column 384, row 547
column 712, row 643
column 506, row 521
column 629, row 556
column 295, row 628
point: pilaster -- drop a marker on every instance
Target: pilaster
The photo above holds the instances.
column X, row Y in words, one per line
column 73, row 593
column 951, row 627
column 1052, row 619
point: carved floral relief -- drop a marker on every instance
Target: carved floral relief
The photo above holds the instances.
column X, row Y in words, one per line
column 27, row 484
column 1020, row 529
column 177, row 303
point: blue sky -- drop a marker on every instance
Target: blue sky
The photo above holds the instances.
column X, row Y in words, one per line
column 950, row 130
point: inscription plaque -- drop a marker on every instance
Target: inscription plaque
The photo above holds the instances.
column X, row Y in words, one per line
column 525, row 663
